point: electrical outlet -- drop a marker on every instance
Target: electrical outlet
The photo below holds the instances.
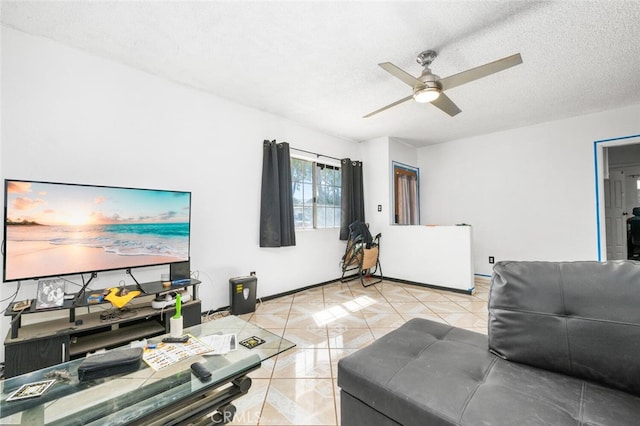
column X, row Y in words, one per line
column 252, row 273
column 379, row 207
column 492, row 259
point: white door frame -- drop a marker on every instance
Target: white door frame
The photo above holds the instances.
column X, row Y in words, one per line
column 599, row 181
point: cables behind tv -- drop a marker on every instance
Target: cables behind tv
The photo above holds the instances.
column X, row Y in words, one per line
column 118, row 314
column 10, row 304
column 75, row 283
column 13, row 296
column 162, row 310
column 212, row 314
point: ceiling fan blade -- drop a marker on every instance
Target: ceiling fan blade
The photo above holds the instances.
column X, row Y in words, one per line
column 480, row 72
column 401, row 74
column 389, row 106
column 445, row 104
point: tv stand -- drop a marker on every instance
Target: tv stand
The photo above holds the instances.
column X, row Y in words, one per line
column 35, row 346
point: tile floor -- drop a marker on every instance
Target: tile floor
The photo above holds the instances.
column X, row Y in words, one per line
column 299, row 387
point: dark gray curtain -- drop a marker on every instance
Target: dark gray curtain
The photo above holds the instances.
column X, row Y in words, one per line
column 276, row 206
column 352, row 203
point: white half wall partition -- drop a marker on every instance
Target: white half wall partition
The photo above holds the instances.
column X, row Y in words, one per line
column 433, row 255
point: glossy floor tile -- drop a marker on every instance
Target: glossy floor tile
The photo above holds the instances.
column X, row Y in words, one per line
column 299, row 386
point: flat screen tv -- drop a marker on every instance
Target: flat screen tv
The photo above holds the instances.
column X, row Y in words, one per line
column 56, row 229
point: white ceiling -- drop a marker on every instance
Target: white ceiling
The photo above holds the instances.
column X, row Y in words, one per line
column 315, row 62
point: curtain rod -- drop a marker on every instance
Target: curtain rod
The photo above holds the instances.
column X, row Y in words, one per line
column 315, row 153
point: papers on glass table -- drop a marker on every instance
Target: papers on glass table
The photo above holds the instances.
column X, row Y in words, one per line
column 161, row 355
column 219, row 343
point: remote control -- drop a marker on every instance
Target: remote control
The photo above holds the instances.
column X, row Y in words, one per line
column 201, row 372
column 181, row 339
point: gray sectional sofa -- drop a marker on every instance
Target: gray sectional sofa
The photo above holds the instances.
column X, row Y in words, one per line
column 563, row 349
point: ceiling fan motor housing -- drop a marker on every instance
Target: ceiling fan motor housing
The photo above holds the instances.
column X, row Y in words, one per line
column 430, row 82
column 429, row 79
column 426, row 58
column 430, row 88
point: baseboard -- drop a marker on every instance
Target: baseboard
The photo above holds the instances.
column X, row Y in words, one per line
column 298, row 290
column 435, row 287
column 273, row 296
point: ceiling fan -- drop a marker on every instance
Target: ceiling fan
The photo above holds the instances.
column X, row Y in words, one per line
column 428, row 87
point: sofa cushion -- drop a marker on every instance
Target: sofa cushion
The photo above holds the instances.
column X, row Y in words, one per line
column 515, row 393
column 431, row 373
column 421, row 373
column 576, row 318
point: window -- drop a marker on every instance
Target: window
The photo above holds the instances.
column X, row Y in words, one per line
column 316, row 194
column 328, row 186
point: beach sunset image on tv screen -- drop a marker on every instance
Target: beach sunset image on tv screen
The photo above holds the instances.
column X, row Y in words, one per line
column 54, row 229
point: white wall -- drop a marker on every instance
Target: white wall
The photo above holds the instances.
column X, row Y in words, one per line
column 375, row 171
column 529, row 192
column 377, row 156
column 435, row 255
column 72, row 117
column 439, row 256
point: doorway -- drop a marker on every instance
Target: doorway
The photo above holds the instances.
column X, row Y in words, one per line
column 615, row 214
column 406, row 190
column 621, row 193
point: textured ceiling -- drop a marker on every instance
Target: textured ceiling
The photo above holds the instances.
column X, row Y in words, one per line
column 315, row 62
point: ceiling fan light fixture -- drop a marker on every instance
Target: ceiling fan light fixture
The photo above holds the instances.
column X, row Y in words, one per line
column 427, row 94
column 429, row 88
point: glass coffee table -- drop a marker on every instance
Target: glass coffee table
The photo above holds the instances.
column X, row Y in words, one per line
column 171, row 395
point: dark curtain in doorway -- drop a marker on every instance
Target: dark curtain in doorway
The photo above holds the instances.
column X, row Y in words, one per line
column 352, row 199
column 277, row 228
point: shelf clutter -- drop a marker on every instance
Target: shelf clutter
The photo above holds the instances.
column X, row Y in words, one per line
column 42, row 344
column 91, row 299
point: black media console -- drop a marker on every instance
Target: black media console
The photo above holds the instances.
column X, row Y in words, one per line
column 39, row 345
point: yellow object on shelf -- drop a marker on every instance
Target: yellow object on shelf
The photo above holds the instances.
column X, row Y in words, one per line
column 120, row 301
